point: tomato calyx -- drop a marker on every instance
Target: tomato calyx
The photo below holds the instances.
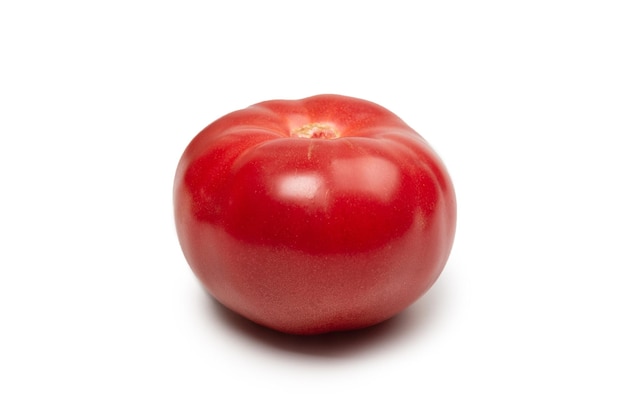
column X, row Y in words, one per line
column 315, row 130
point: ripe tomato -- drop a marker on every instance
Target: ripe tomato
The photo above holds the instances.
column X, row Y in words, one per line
column 315, row 215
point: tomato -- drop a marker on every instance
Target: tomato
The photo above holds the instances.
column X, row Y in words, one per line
column 316, row 215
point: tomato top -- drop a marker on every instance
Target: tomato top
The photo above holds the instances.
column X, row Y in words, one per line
column 326, row 174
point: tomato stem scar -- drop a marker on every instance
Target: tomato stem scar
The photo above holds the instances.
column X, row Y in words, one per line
column 315, row 130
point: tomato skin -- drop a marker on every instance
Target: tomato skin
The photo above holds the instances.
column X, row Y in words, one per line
column 308, row 233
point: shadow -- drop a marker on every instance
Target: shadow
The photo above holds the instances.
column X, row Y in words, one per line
column 408, row 325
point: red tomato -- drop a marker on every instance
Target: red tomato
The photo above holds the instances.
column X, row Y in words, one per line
column 315, row 215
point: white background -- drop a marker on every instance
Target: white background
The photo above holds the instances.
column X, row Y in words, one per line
column 100, row 315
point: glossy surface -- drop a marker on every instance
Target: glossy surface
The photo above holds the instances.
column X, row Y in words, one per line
column 317, row 215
